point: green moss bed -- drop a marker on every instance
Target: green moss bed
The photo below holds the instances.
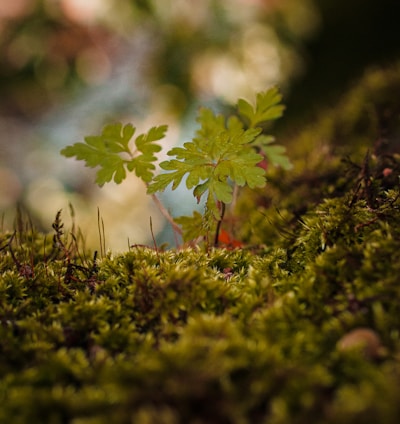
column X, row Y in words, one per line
column 300, row 325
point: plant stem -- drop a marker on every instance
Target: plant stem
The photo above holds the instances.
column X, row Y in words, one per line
column 217, row 230
column 166, row 214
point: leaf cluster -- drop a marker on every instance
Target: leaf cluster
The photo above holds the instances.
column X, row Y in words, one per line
column 219, row 154
column 111, row 152
column 224, row 153
column 268, row 107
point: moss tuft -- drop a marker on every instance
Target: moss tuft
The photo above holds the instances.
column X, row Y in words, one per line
column 300, row 325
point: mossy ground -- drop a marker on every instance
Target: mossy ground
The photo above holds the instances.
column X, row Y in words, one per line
column 260, row 334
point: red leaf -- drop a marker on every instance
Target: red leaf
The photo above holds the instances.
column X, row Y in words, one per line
column 225, row 238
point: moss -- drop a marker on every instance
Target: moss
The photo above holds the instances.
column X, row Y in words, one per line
column 261, row 334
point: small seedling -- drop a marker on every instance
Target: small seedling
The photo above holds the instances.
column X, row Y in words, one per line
column 225, row 152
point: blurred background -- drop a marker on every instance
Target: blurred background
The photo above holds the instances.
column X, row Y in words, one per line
column 67, row 67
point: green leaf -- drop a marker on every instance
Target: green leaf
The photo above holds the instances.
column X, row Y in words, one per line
column 200, row 189
column 145, row 142
column 116, row 137
column 276, row 155
column 143, row 164
column 192, row 226
column 245, row 109
column 264, row 140
column 114, row 170
column 143, row 167
column 217, row 153
column 222, row 190
column 267, row 108
column 111, row 153
column 92, row 156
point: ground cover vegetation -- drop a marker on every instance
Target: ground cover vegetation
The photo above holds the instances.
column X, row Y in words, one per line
column 298, row 324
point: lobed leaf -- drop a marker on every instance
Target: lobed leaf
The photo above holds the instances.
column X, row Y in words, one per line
column 116, row 138
column 276, row 155
column 143, row 166
column 192, row 226
column 211, row 158
column 110, row 151
column 113, row 169
column 222, row 190
column 267, row 107
column 145, row 142
column 92, row 156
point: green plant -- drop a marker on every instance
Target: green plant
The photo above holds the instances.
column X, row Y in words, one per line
column 223, row 154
